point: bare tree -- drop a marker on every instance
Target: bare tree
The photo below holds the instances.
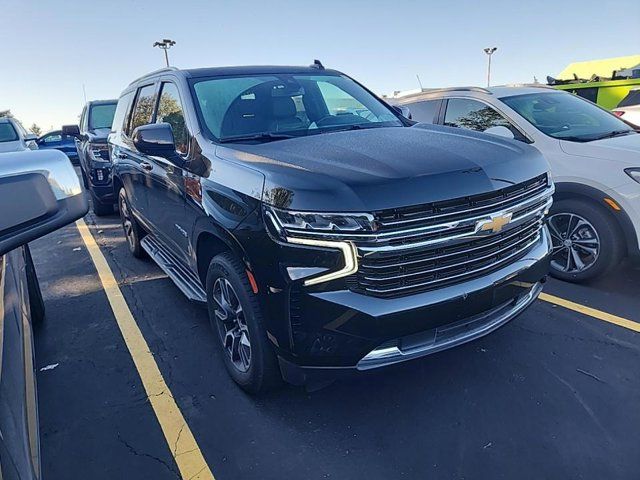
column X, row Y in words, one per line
column 36, row 129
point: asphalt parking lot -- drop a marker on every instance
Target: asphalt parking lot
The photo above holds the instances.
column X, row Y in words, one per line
column 554, row 394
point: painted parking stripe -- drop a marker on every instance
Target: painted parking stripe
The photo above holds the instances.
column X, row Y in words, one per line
column 592, row 312
column 180, row 440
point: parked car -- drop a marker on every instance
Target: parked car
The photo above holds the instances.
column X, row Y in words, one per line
column 324, row 232
column 14, row 137
column 594, row 158
column 59, row 141
column 45, row 187
column 629, row 108
column 93, row 154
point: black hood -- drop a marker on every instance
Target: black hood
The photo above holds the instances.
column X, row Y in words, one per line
column 98, row 135
column 379, row 168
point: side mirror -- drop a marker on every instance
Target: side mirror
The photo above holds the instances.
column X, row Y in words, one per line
column 45, row 195
column 402, row 110
column 500, row 131
column 71, row 130
column 156, row 139
column 30, row 137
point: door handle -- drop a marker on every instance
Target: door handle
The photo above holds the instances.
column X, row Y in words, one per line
column 122, row 156
column 146, row 166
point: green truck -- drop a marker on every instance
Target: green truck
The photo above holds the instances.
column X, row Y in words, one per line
column 605, row 82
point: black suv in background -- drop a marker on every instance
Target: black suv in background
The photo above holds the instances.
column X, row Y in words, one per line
column 325, row 232
column 93, row 154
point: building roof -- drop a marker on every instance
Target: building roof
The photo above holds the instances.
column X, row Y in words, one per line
column 602, row 68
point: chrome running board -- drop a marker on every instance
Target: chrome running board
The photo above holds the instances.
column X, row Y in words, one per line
column 185, row 280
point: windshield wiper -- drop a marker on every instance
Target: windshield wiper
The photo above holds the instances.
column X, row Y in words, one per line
column 355, row 126
column 265, row 137
column 615, row 133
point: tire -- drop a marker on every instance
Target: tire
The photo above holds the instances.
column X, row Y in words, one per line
column 133, row 232
column 587, row 242
column 36, row 302
column 99, row 208
column 85, row 182
column 262, row 372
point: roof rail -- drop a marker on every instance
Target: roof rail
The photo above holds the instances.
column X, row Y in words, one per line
column 530, row 85
column 155, row 72
column 458, row 89
column 446, row 89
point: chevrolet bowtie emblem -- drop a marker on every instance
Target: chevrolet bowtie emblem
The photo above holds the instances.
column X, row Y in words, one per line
column 496, row 223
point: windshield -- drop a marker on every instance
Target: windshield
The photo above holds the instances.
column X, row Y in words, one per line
column 268, row 107
column 7, row 132
column 566, row 116
column 101, row 115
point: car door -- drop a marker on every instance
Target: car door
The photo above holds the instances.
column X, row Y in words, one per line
column 165, row 189
column 135, row 167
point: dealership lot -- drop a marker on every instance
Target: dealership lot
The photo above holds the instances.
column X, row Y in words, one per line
column 551, row 395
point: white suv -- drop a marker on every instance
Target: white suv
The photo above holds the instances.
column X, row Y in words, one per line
column 594, row 158
column 14, row 137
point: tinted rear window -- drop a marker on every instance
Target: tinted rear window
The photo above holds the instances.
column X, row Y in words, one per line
column 7, row 132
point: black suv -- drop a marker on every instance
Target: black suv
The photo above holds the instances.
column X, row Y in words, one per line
column 93, row 154
column 325, row 232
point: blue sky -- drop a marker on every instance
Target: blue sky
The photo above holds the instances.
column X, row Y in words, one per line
column 51, row 48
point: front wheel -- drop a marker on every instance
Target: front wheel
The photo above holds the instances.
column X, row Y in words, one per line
column 99, row 208
column 236, row 318
column 586, row 241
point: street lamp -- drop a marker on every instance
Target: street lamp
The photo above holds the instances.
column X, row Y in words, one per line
column 489, row 51
column 165, row 45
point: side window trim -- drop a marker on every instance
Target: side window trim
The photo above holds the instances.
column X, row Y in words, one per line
column 525, row 137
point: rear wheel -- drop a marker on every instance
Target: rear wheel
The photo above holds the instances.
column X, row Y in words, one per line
column 132, row 230
column 587, row 242
column 236, row 317
column 36, row 302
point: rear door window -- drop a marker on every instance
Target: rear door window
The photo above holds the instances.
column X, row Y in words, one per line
column 143, row 109
column 170, row 111
column 424, row 111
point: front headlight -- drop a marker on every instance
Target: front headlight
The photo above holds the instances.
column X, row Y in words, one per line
column 330, row 223
column 296, row 228
column 633, row 173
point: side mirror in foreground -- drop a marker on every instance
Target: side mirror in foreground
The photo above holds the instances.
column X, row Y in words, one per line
column 40, row 193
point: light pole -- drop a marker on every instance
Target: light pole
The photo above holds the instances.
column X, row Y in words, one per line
column 489, row 51
column 165, row 45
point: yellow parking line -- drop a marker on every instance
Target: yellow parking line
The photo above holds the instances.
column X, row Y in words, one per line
column 180, row 440
column 592, row 312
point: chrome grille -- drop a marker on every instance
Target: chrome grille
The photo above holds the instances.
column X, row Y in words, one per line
column 417, row 250
column 460, row 208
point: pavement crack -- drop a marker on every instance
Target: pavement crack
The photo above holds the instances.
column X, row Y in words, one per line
column 589, row 374
column 197, row 473
column 135, row 452
column 175, row 445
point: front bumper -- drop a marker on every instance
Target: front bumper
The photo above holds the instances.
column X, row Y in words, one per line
column 101, row 181
column 341, row 330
